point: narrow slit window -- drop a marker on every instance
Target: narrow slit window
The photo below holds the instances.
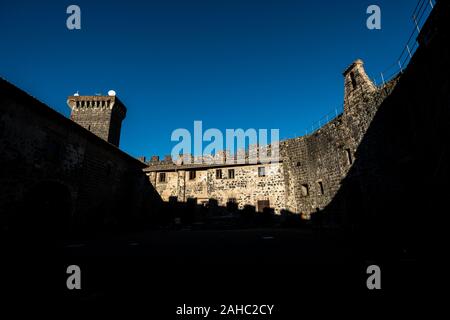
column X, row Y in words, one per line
column 352, row 78
column 320, row 185
column 349, row 156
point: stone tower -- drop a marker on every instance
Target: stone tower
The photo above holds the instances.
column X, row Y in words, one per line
column 356, row 84
column 102, row 115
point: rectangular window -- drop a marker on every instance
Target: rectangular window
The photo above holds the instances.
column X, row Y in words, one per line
column 230, row 173
column 192, row 175
column 232, row 200
column 320, row 185
column 219, row 174
column 262, row 204
column 162, row 177
column 261, row 172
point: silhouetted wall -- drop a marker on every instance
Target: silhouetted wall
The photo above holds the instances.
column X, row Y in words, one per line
column 397, row 188
column 55, row 173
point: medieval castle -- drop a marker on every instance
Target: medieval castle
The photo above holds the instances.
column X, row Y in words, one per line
column 304, row 180
column 367, row 153
column 307, row 175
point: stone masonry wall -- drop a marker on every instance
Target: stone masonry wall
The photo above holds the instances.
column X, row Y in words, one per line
column 102, row 115
column 246, row 188
column 42, row 151
column 315, row 165
column 311, row 168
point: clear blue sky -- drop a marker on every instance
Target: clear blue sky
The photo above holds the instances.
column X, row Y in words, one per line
column 232, row 64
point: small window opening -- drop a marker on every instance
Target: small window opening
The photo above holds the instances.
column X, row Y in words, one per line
column 321, row 190
column 261, row 172
column 305, row 190
column 352, row 78
column 349, row 156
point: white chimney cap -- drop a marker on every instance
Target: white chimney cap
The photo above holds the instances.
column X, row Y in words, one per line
column 111, row 93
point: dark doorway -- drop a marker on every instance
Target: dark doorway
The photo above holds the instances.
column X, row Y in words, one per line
column 263, row 204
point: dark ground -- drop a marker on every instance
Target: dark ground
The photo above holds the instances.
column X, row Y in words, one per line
column 295, row 269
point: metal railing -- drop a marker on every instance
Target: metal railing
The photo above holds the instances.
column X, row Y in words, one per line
column 333, row 114
column 419, row 17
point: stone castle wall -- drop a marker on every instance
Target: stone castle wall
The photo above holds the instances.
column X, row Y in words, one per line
column 368, row 153
column 46, row 157
column 315, row 164
column 309, row 172
column 247, row 187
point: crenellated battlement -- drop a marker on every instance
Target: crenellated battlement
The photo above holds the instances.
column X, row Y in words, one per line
column 102, row 115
